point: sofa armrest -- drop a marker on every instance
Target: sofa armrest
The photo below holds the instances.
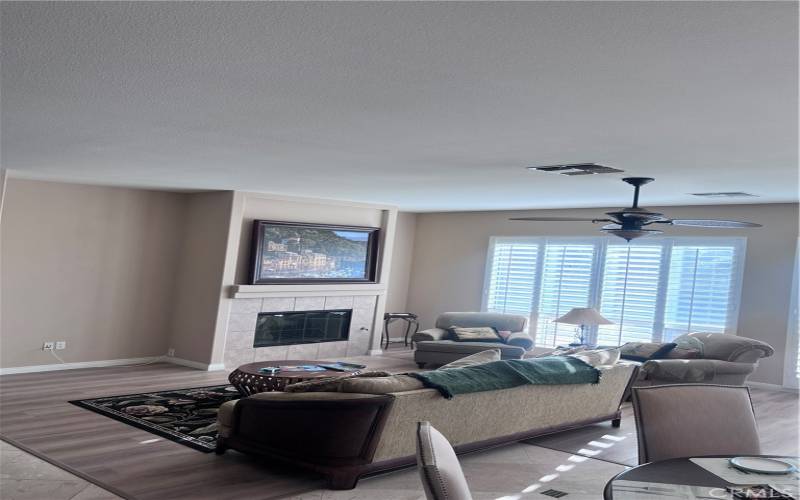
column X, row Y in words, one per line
column 693, row 370
column 429, row 334
column 340, row 428
column 520, row 339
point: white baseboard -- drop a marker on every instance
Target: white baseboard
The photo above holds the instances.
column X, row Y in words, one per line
column 374, row 352
column 82, row 364
column 770, row 387
column 195, row 364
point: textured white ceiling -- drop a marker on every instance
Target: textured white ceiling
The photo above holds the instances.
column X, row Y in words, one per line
column 429, row 106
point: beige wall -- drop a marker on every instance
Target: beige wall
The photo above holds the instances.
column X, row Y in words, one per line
column 450, row 256
column 402, row 257
column 90, row 265
column 200, row 275
column 123, row 273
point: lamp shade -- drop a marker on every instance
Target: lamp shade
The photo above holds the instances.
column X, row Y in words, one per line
column 583, row 316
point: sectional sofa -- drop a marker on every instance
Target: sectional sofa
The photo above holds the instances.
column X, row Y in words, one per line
column 346, row 435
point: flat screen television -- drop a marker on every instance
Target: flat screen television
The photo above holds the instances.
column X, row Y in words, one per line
column 294, row 252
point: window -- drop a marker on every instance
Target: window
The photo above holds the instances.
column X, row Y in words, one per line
column 791, row 377
column 655, row 289
column 629, row 296
column 699, row 290
column 566, row 283
column 511, row 277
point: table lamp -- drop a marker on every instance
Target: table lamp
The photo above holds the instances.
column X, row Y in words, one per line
column 583, row 317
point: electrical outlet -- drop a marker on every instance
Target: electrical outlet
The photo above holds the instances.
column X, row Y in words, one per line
column 48, row 346
column 61, row 345
column 171, row 352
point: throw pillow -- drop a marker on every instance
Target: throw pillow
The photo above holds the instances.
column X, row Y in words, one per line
column 478, row 358
column 644, row 351
column 380, row 385
column 598, row 357
column 322, row 384
column 504, row 334
column 329, row 384
column 561, row 351
column 688, row 347
column 474, row 334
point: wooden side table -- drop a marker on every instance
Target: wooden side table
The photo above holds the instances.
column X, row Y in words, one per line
column 248, row 380
column 410, row 321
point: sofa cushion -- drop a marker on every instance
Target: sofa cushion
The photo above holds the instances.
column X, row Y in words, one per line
column 598, row 357
column 511, row 322
column 644, row 351
column 474, row 334
column 730, row 347
column 562, row 351
column 329, row 384
column 380, row 385
column 687, row 347
column 478, row 358
column 452, row 347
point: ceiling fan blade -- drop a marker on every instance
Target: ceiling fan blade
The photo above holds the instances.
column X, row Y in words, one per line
column 558, row 219
column 712, row 223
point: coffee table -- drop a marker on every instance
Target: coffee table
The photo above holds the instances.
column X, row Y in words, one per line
column 248, row 380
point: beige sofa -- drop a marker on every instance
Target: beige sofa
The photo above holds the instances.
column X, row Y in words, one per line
column 724, row 359
column 347, row 435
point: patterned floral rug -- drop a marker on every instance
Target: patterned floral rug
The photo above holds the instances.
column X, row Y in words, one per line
column 186, row 416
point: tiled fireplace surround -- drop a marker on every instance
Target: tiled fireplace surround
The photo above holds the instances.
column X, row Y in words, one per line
column 242, row 324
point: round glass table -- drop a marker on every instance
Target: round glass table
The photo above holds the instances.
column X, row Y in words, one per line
column 676, row 471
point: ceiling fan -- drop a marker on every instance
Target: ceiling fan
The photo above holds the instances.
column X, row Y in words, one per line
column 629, row 223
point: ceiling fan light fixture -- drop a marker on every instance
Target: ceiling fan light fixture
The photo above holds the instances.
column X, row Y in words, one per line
column 632, row 234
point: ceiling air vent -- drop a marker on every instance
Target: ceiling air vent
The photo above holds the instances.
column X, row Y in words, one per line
column 726, row 194
column 577, row 169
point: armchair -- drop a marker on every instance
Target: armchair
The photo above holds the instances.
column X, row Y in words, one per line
column 434, row 347
column 725, row 359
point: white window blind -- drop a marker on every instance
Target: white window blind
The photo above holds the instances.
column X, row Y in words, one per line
column 630, row 293
column 511, row 278
column 566, row 283
column 653, row 290
column 700, row 292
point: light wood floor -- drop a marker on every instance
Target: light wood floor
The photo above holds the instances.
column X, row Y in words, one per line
column 35, row 415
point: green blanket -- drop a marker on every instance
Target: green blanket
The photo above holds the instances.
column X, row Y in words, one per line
column 550, row 370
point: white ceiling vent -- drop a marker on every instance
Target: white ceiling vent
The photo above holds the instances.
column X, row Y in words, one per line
column 577, row 169
column 726, row 194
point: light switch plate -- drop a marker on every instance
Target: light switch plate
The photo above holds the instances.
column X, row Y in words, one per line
column 61, row 344
column 48, row 346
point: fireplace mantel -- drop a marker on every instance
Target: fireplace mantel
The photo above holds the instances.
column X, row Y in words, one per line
column 256, row 291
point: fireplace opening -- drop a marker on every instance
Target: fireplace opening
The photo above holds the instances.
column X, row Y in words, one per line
column 301, row 327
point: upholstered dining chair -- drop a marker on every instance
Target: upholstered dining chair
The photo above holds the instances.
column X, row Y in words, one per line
column 689, row 420
column 438, row 465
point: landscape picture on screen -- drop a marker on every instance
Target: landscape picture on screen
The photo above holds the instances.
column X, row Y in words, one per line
column 292, row 252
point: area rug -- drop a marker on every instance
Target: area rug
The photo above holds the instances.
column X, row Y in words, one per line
column 186, row 416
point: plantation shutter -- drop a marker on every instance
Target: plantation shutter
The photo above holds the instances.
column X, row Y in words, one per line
column 701, row 289
column 630, row 293
column 511, row 277
column 566, row 283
